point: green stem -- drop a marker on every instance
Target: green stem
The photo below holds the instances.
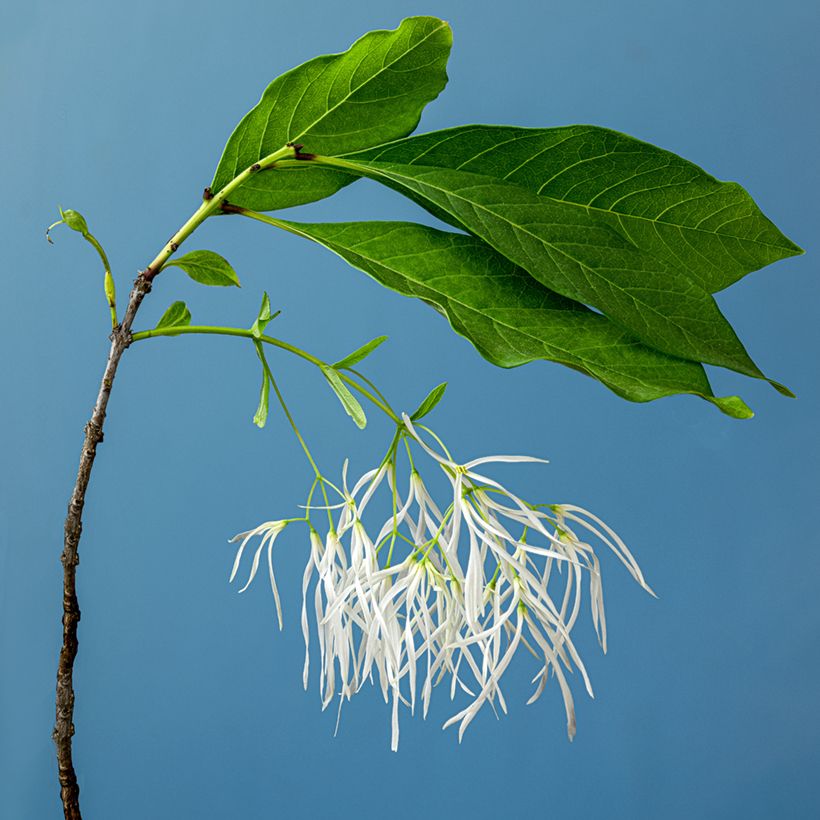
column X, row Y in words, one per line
column 286, row 411
column 278, row 223
column 248, row 334
column 108, row 279
column 213, row 204
column 370, row 384
column 394, row 502
column 317, row 472
column 99, row 248
column 269, row 220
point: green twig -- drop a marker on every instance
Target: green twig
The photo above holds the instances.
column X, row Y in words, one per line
column 270, row 340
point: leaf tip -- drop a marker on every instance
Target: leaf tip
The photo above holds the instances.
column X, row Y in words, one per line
column 782, row 389
column 732, row 406
column 792, row 248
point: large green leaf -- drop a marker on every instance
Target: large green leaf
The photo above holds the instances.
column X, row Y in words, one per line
column 509, row 317
column 576, row 255
column 373, row 92
column 711, row 230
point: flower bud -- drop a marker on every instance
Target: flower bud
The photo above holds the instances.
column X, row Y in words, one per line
column 110, row 290
column 75, row 220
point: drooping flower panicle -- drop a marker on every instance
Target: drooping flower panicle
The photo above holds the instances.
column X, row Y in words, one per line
column 446, row 591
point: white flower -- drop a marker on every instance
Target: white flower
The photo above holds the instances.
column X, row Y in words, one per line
column 269, row 530
column 445, row 591
column 482, row 506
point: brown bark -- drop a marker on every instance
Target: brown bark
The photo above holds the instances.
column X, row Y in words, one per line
column 64, row 725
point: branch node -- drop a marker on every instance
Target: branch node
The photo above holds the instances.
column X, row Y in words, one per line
column 298, row 153
column 94, row 432
column 228, row 208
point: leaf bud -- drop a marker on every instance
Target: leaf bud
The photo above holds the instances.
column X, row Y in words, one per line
column 75, row 220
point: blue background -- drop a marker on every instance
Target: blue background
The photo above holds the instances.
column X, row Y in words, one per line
column 189, row 702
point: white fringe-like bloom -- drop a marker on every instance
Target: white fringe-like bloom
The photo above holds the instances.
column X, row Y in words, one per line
column 477, row 578
column 269, row 530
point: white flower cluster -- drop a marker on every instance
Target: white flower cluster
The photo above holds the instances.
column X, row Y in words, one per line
column 482, row 576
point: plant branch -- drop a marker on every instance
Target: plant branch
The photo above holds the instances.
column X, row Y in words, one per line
column 213, row 204
column 120, row 340
column 64, row 723
column 270, row 340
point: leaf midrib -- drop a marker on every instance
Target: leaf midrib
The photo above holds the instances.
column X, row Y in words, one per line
column 587, row 207
column 572, row 358
column 583, row 265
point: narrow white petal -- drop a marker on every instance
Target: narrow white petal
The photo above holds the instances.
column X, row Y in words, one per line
column 254, row 567
column 505, row 460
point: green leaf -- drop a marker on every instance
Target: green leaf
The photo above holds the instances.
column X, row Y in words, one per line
column 371, row 93
column 432, row 399
column 579, row 257
column 177, row 315
column 509, row 317
column 261, row 415
column 207, row 268
column 358, row 355
column 347, row 399
column 710, row 230
column 264, row 318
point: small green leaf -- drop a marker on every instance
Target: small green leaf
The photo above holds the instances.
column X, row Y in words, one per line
column 358, row 355
column 348, row 400
column 207, row 268
column 433, row 398
column 75, row 220
column 735, row 407
column 261, row 415
column 177, row 315
column 264, row 317
column 372, row 93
